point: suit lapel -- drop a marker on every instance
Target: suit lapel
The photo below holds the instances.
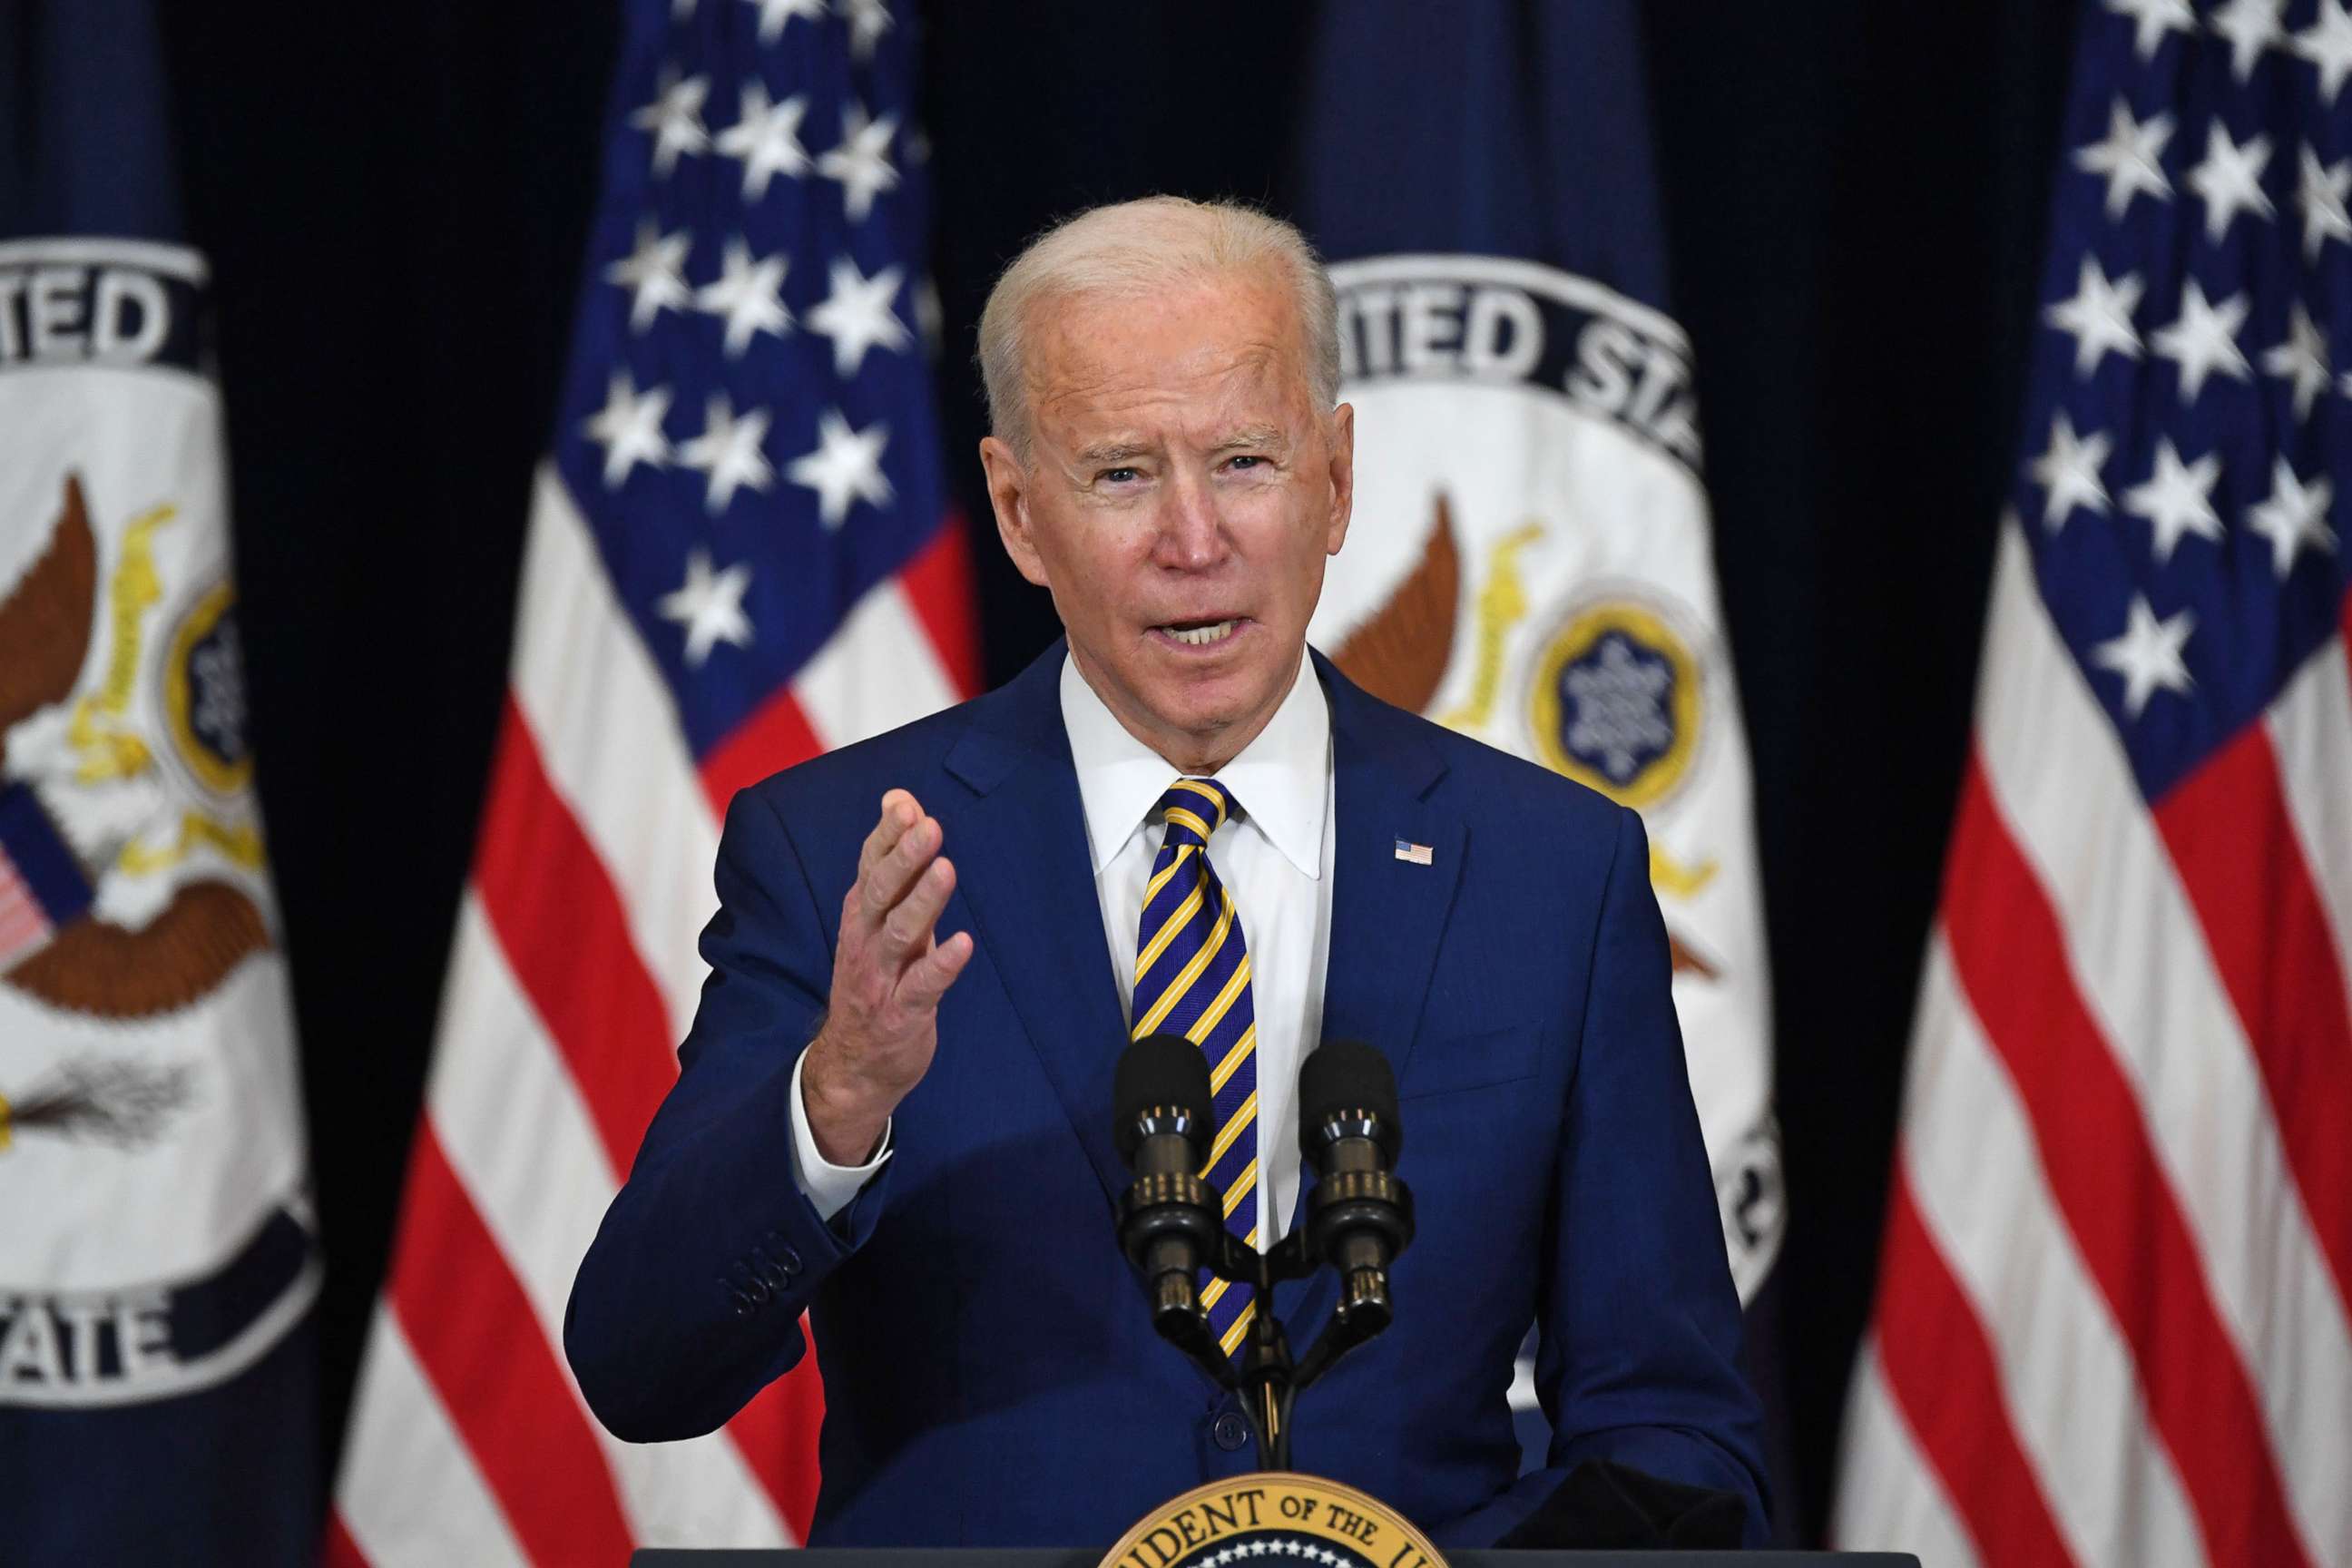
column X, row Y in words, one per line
column 1387, row 913
column 1024, row 871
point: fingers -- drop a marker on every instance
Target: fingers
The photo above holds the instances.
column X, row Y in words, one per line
column 906, row 928
column 904, row 856
column 899, row 812
column 927, row 978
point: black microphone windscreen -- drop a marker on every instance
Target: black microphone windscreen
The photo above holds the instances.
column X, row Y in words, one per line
column 1346, row 1076
column 1158, row 1070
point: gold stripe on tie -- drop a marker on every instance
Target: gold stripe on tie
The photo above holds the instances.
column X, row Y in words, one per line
column 1191, row 970
column 1199, row 826
column 1242, row 1114
column 1244, row 1184
column 1198, row 1033
column 1234, row 1058
column 1194, row 786
column 1151, row 888
column 1166, row 934
column 1234, row 1334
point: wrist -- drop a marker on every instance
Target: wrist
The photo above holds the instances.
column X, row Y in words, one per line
column 846, row 1118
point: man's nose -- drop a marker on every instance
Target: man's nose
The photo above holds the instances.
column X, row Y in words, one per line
column 1191, row 532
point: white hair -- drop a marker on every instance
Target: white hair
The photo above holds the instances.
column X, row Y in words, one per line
column 1141, row 247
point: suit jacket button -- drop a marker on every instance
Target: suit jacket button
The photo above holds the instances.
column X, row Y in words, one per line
column 1229, row 1431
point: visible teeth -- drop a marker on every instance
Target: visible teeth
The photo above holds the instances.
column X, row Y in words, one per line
column 1199, row 636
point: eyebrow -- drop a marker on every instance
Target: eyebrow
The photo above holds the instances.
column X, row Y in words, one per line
column 1113, row 452
column 1104, row 453
column 1250, row 435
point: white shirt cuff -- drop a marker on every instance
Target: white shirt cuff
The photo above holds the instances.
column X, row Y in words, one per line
column 828, row 1187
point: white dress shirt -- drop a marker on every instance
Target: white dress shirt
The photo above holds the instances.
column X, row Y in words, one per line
column 1274, row 855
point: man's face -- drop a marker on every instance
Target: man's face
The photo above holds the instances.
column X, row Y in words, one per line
column 1182, row 494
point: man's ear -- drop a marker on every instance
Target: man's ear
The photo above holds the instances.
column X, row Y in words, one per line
column 1343, row 476
column 1008, row 497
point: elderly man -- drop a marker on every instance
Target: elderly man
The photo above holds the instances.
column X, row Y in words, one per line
column 895, row 1106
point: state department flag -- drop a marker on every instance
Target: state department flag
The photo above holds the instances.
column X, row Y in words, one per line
column 738, row 556
column 2113, row 1321
column 157, row 1268
column 1531, row 562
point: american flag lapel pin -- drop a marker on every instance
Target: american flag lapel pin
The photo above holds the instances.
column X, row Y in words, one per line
column 1413, row 853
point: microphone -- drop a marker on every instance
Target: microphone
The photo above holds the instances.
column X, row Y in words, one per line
column 1362, row 1215
column 1171, row 1223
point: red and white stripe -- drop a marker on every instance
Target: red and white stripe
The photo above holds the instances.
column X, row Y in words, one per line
column 573, row 978
column 2113, row 1316
column 24, row 924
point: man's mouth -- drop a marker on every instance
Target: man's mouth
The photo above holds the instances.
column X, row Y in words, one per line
column 1200, row 634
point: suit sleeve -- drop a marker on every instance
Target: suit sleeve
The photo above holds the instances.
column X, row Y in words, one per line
column 1641, row 1359
column 689, row 1299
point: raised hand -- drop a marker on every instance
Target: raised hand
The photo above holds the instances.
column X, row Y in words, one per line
column 889, row 970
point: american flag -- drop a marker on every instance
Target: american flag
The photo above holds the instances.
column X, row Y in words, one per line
column 738, row 554
column 2112, row 1315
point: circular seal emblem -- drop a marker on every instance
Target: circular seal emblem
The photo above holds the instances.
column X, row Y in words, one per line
column 204, row 693
column 1615, row 702
column 1274, row 1520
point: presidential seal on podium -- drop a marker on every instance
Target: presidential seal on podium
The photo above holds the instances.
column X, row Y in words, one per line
column 1274, row 1518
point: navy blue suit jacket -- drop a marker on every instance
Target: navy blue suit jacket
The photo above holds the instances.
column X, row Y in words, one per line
column 991, row 1373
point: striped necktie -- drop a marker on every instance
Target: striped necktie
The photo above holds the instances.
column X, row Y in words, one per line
column 1192, row 978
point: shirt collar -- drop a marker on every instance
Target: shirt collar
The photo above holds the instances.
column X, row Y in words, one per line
column 1282, row 779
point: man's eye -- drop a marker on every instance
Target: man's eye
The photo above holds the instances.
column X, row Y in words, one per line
column 1118, row 475
column 1247, row 461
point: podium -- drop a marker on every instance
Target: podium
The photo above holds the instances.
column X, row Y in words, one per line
column 1073, row 1557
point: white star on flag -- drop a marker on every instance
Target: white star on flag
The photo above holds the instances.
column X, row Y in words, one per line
column 2230, row 180
column 709, row 606
column 2177, row 497
column 728, row 452
column 845, row 467
column 859, row 163
column 2295, row 515
column 2069, row 471
column 2203, row 339
column 869, row 20
column 2323, row 191
column 774, row 14
column 2147, row 656
column 2099, row 317
column 630, row 426
column 2327, row 44
column 767, row 138
column 2131, row 158
column 2251, row 27
column 2152, row 19
column 747, row 293
column 856, row 315
column 655, row 272
column 2302, row 357
column 675, row 117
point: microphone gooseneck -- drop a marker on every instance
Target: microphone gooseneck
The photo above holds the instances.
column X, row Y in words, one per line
column 1171, row 1221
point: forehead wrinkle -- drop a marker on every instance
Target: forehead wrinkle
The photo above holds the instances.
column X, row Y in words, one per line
column 1128, row 404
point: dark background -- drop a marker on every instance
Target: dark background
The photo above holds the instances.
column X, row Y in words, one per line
column 396, row 200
